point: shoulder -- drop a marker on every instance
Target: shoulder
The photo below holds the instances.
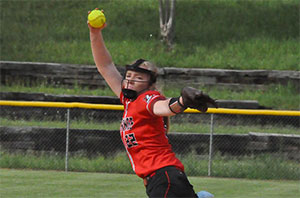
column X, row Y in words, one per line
column 151, row 95
column 149, row 98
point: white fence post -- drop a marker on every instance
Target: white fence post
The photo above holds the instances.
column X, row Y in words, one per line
column 67, row 140
column 211, row 144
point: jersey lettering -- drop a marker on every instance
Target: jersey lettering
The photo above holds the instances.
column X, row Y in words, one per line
column 130, row 140
column 127, row 123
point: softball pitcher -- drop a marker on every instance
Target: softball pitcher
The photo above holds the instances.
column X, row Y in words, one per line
column 143, row 129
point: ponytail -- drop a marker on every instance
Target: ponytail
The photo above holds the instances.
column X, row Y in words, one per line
column 166, row 123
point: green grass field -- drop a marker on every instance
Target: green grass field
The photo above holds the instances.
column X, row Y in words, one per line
column 28, row 183
column 232, row 34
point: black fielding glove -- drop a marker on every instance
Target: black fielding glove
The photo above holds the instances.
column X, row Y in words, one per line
column 196, row 99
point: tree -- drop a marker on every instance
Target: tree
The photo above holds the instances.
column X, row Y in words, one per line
column 167, row 21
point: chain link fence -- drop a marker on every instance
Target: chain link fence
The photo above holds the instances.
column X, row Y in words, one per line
column 214, row 144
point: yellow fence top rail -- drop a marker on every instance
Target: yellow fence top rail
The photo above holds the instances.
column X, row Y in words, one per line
column 60, row 105
column 120, row 107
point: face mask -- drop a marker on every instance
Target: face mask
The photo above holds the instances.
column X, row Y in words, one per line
column 131, row 94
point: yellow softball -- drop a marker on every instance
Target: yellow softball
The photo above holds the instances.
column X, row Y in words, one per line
column 96, row 18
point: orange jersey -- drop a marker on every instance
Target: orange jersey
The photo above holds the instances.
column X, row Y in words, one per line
column 143, row 135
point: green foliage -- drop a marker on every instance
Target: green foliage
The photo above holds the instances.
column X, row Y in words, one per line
column 253, row 167
column 241, row 128
column 114, row 164
column 44, row 161
column 174, row 127
column 233, row 34
column 263, row 166
column 49, row 123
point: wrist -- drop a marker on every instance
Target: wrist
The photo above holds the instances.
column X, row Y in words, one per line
column 176, row 106
column 96, row 36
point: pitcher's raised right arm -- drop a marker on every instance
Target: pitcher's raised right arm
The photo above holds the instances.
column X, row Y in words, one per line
column 103, row 60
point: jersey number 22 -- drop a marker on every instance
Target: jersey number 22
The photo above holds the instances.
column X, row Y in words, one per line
column 130, row 140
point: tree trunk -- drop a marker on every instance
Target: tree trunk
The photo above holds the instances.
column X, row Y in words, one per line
column 167, row 21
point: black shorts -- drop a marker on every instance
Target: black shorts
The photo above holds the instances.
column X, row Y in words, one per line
column 169, row 182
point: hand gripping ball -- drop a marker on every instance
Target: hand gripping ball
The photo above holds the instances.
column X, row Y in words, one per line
column 96, row 18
